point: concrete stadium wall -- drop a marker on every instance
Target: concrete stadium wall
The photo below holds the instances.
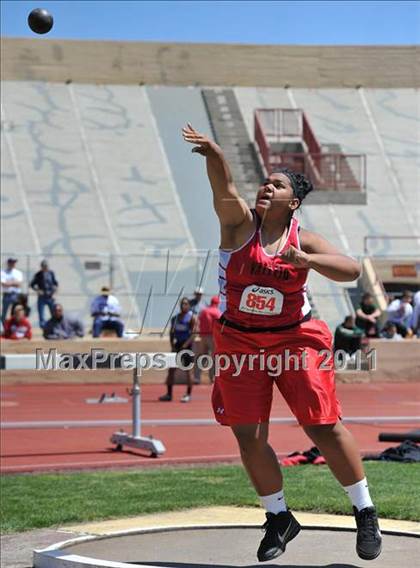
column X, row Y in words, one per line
column 225, row 64
column 396, row 360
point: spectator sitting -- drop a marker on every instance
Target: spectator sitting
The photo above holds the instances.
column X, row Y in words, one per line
column 105, row 309
column 415, row 321
column 61, row 326
column 197, row 303
column 390, row 332
column 45, row 285
column 11, row 281
column 206, row 320
column 22, row 300
column 181, row 335
column 400, row 312
column 347, row 336
column 17, row 326
column 367, row 315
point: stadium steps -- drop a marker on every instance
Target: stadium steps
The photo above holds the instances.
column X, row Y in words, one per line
column 230, row 133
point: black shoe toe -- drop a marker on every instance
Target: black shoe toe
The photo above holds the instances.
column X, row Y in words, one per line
column 279, row 530
column 369, row 539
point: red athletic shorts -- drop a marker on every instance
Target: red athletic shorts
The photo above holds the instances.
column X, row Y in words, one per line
column 297, row 360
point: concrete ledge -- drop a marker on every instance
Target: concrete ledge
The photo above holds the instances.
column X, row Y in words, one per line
column 118, row 62
column 114, row 345
column 396, row 360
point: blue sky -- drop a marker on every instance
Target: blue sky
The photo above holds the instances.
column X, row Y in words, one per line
column 308, row 22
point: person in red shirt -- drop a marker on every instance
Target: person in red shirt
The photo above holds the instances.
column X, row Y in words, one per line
column 17, row 326
column 264, row 261
column 206, row 319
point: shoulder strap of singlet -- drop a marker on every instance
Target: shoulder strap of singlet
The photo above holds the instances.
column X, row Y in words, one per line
column 257, row 219
column 294, row 232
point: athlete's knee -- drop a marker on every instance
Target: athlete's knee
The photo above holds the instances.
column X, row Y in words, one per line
column 319, row 432
column 251, row 446
column 251, row 438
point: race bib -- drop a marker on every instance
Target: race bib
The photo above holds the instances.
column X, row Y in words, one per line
column 261, row 300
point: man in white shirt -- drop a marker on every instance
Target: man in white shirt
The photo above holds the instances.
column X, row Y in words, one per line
column 106, row 310
column 197, row 303
column 400, row 312
column 415, row 322
column 11, row 281
column 389, row 332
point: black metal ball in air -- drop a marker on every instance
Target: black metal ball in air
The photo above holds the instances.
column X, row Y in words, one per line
column 40, row 21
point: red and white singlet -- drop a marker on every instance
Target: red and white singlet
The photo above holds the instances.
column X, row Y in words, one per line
column 260, row 290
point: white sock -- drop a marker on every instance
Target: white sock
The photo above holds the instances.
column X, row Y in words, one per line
column 274, row 503
column 359, row 494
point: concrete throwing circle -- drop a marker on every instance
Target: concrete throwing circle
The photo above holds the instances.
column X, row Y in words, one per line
column 222, row 547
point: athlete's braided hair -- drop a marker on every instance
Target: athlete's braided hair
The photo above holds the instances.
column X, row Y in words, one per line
column 300, row 184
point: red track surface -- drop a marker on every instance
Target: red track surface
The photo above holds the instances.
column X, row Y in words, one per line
column 59, row 449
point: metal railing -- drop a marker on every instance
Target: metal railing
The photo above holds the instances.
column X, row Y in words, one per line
column 327, row 171
column 279, row 123
column 314, row 147
column 262, row 144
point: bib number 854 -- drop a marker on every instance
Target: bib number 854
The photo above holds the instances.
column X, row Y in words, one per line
column 260, row 302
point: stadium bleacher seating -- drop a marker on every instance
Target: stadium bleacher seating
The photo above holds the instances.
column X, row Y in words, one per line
column 98, row 170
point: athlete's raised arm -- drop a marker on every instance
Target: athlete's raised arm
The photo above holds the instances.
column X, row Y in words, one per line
column 230, row 207
column 320, row 255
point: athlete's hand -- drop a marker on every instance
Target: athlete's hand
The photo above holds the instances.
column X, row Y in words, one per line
column 296, row 257
column 203, row 144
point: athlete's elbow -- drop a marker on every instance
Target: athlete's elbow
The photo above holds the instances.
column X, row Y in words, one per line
column 351, row 271
column 355, row 270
